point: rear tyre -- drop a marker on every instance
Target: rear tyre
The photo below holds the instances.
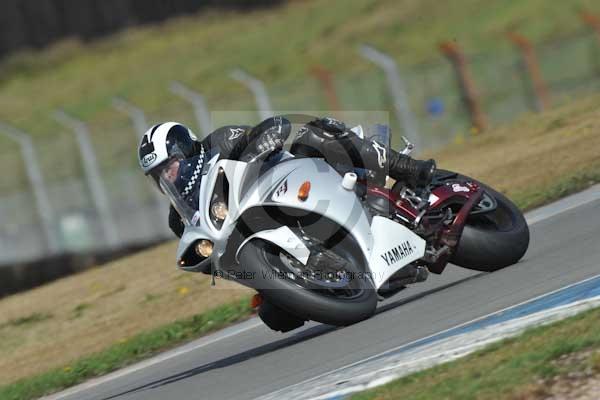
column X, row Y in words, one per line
column 335, row 307
column 493, row 240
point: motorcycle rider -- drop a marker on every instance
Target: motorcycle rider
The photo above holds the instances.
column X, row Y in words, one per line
column 175, row 159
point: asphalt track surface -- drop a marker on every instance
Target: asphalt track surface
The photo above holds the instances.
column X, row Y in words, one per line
column 248, row 361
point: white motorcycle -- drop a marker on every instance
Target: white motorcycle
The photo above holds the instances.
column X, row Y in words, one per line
column 321, row 244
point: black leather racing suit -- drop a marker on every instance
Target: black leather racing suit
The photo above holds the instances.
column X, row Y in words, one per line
column 324, row 137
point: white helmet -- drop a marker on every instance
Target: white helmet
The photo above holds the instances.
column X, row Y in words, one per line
column 164, row 141
column 173, row 160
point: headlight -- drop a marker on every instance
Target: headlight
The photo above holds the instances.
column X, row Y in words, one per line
column 204, row 248
column 219, row 210
column 219, row 201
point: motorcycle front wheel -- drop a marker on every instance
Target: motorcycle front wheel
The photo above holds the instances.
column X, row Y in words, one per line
column 318, row 297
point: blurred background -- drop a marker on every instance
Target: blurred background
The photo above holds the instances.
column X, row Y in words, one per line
column 80, row 81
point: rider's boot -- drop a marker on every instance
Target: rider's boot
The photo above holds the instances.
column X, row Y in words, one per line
column 416, row 173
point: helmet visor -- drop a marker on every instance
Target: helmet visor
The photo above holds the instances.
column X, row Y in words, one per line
column 179, row 179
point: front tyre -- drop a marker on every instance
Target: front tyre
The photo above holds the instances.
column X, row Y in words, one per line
column 340, row 307
column 278, row 319
column 493, row 240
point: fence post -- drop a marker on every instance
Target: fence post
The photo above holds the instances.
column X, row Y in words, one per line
column 198, row 103
column 324, row 76
column 37, row 182
column 532, row 66
column 257, row 87
column 397, row 90
column 592, row 21
column 136, row 114
column 466, row 84
column 138, row 117
column 92, row 172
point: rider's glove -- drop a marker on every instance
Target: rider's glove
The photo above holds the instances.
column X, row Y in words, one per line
column 270, row 140
column 272, row 133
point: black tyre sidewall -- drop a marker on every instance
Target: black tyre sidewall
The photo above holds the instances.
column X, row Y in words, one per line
column 278, row 319
column 302, row 302
column 487, row 250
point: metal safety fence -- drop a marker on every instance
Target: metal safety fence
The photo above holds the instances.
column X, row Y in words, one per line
column 88, row 194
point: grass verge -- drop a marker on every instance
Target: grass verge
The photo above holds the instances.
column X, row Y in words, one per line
column 536, row 159
column 573, row 183
column 127, row 352
column 518, row 368
column 57, row 324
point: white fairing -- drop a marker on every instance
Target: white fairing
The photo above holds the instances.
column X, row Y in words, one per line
column 285, row 239
column 279, row 186
column 395, row 246
column 386, row 245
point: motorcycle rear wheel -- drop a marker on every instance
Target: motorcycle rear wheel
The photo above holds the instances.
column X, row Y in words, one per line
column 493, row 240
